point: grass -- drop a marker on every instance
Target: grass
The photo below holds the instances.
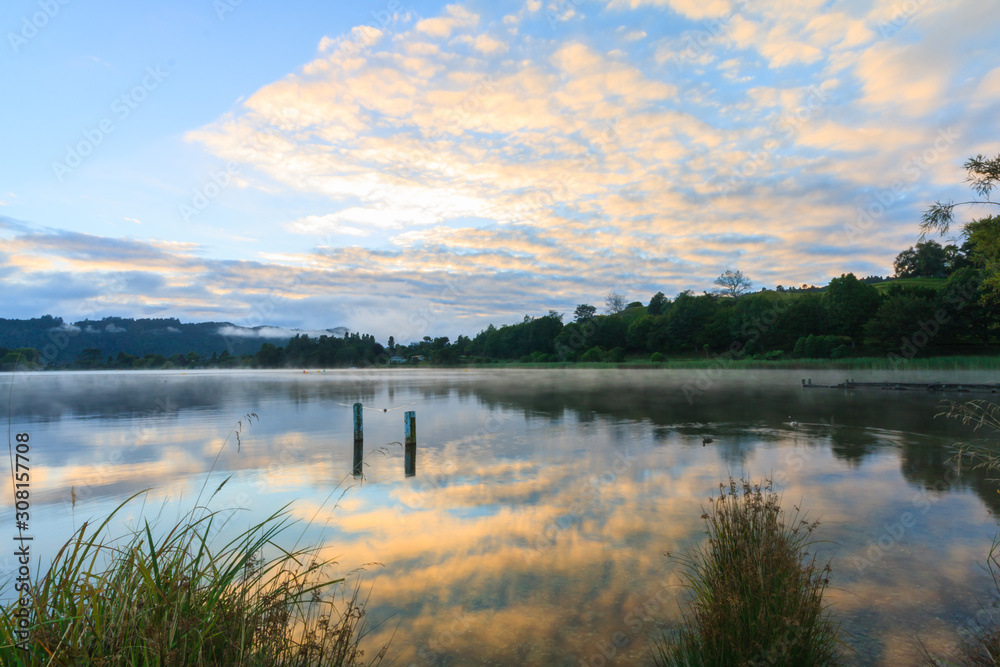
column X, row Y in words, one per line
column 757, row 596
column 175, row 597
column 933, row 283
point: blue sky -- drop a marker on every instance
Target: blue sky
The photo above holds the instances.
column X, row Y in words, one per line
column 411, row 168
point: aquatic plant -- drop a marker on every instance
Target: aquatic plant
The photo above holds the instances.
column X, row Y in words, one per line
column 756, row 593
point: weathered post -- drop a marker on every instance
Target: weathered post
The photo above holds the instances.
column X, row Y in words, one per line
column 359, row 439
column 410, row 443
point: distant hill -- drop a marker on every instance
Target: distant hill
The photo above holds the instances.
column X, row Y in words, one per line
column 61, row 342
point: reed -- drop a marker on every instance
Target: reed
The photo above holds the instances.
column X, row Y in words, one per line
column 756, row 593
column 182, row 595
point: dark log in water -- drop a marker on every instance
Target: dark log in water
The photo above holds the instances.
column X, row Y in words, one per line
column 988, row 387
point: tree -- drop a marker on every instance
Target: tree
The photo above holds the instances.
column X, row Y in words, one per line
column 984, row 234
column 614, row 303
column 928, row 260
column 656, row 304
column 850, row 303
column 733, row 283
column 584, row 312
column 392, row 344
column 897, row 320
column 984, row 174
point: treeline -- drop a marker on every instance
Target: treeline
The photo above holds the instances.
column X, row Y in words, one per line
column 943, row 306
column 61, row 342
column 90, row 359
column 849, row 318
column 944, row 300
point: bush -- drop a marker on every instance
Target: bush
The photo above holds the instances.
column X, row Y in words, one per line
column 819, row 347
column 756, row 597
column 592, row 355
column 617, row 355
column 658, row 357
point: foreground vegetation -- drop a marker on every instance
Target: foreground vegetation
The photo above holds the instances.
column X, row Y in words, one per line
column 756, row 596
column 175, row 596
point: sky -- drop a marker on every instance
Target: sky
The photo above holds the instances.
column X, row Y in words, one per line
column 421, row 168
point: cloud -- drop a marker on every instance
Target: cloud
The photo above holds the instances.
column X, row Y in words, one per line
column 277, row 332
column 488, row 45
column 441, row 27
column 692, row 9
column 464, row 168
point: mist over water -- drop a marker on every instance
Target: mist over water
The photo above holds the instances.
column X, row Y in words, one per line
column 534, row 529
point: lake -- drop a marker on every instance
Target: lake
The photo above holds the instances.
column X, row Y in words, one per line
column 534, row 528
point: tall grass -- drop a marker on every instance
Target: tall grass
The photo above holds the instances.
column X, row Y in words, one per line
column 182, row 596
column 757, row 596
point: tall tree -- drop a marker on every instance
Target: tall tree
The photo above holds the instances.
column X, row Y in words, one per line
column 584, row 312
column 733, row 283
column 928, row 260
column 656, row 304
column 614, row 303
column 850, row 303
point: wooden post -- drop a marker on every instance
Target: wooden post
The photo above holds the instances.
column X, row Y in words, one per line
column 359, row 439
column 410, row 444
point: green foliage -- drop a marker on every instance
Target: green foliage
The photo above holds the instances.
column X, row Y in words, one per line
column 658, row 357
column 850, row 303
column 23, row 358
column 639, row 332
column 584, row 312
column 657, row 304
column 820, row 347
column 594, row 354
column 757, row 596
column 935, row 284
column 984, row 238
column 928, row 260
column 899, row 318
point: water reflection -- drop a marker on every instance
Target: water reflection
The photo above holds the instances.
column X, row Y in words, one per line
column 533, row 530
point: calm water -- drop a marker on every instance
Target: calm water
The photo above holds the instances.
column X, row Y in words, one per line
column 534, row 529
